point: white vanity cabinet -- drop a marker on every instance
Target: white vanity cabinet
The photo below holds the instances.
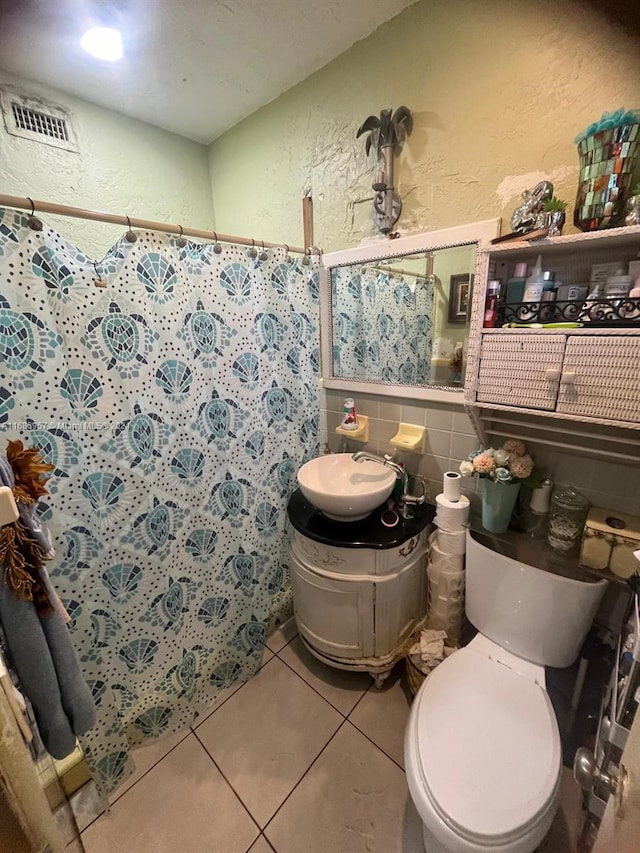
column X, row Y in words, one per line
column 569, row 388
column 355, row 607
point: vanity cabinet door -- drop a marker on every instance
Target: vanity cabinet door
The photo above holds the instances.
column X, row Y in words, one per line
column 520, row 370
column 334, row 615
column 401, row 602
column 600, row 378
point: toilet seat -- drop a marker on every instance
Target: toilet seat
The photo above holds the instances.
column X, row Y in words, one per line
column 483, row 748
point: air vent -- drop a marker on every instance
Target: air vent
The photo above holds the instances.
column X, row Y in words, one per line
column 38, row 120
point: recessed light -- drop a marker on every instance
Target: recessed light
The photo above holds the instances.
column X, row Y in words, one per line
column 103, row 43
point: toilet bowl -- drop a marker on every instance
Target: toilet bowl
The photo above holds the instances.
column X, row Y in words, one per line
column 482, row 748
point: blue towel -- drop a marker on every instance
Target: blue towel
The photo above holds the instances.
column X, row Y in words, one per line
column 42, row 654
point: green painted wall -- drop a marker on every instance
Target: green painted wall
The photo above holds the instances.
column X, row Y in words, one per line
column 123, row 166
column 498, row 89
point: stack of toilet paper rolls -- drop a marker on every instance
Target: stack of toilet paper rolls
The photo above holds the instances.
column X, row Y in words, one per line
column 445, row 568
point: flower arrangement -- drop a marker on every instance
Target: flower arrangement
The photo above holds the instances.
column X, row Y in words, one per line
column 509, row 464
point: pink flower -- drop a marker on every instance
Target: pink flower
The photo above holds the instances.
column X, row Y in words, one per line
column 514, row 445
column 521, row 466
column 483, row 463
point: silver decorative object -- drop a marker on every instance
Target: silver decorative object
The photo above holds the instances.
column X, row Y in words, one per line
column 554, row 222
column 633, row 211
column 386, row 135
column 529, row 214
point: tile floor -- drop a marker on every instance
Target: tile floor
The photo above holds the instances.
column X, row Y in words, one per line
column 300, row 759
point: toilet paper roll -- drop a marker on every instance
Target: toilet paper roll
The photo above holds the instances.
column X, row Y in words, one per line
column 451, row 483
column 443, row 562
column 452, row 543
column 452, row 515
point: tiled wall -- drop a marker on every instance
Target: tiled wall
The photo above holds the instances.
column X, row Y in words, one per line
column 450, row 437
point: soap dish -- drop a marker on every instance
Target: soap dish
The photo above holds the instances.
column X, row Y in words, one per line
column 410, row 437
column 359, row 434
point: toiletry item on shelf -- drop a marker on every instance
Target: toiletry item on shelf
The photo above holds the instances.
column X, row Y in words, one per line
column 535, row 283
column 547, row 312
column 515, row 286
column 536, row 523
column 567, row 515
column 571, row 292
column 491, row 304
column 600, row 273
column 632, row 311
column 590, row 309
column 609, row 541
column 617, row 285
column 349, row 416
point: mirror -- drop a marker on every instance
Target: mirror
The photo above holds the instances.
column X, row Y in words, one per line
column 395, row 316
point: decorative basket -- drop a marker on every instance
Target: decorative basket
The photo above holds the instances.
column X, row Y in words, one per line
column 415, row 677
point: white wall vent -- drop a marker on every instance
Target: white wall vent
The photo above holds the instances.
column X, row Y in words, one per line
column 36, row 119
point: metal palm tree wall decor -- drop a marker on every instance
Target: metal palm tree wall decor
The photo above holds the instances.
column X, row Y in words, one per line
column 386, row 134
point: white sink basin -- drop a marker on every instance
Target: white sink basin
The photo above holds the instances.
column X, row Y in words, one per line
column 343, row 489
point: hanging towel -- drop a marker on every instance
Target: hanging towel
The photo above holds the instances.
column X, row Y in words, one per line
column 36, row 636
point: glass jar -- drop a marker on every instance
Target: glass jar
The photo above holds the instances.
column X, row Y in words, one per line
column 567, row 516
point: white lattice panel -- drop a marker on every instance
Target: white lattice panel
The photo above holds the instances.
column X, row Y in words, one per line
column 514, row 370
column 605, row 382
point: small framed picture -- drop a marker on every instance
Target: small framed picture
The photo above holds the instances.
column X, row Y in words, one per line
column 459, row 297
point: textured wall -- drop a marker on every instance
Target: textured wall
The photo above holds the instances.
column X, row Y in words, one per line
column 499, row 89
column 124, row 166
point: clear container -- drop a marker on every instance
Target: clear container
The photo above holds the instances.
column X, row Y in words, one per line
column 567, row 517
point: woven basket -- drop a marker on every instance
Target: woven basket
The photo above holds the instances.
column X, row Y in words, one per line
column 415, row 677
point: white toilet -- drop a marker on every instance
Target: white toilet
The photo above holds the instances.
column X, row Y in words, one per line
column 482, row 747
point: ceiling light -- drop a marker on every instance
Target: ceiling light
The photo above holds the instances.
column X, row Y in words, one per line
column 103, row 43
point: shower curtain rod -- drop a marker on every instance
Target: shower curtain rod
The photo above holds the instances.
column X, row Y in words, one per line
column 36, row 206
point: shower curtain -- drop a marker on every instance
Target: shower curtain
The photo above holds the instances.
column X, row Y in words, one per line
column 382, row 325
column 177, row 403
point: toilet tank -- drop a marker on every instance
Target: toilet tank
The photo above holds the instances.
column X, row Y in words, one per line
column 535, row 614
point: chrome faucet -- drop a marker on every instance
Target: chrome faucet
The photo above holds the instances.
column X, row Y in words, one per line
column 401, row 473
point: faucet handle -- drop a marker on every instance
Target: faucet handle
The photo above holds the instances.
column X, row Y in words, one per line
column 417, row 500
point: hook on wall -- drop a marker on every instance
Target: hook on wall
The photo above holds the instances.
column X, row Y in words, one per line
column 130, row 236
column 217, row 248
column 33, row 222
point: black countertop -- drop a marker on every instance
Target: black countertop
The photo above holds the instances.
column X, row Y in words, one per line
column 367, row 533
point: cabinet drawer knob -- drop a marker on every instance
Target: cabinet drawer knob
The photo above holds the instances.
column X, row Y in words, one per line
column 552, row 375
column 568, row 378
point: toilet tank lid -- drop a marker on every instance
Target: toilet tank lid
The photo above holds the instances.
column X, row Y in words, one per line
column 488, row 747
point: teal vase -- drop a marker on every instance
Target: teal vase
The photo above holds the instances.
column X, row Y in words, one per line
column 498, row 503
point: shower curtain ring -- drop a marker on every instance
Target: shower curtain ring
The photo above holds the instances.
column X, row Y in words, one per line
column 181, row 242
column 253, row 254
column 130, row 236
column 287, row 256
column 264, row 255
column 306, row 260
column 33, row 222
column 98, row 280
column 217, row 248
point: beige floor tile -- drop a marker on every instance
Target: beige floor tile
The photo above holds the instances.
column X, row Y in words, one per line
column 382, row 715
column 266, row 736
column 353, row 800
column 282, row 635
column 221, row 698
column 86, row 805
column 261, row 845
column 145, row 758
column 338, row 686
column 563, row 835
column 183, row 804
column 74, row 846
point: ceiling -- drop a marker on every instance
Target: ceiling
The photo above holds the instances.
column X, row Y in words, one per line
column 193, row 67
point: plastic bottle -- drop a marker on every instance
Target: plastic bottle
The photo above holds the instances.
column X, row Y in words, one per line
column 349, row 416
column 515, row 286
column 535, row 283
column 491, row 304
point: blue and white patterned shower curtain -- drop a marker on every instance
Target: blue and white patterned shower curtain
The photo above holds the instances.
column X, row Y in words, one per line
column 176, row 404
column 382, row 324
